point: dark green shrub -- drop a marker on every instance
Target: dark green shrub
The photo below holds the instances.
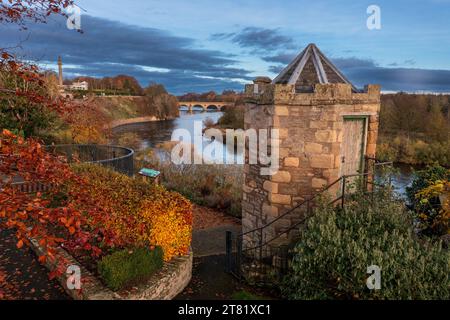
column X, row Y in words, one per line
column 245, row 295
column 129, row 266
column 336, row 248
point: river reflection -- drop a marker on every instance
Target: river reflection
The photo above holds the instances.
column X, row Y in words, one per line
column 151, row 134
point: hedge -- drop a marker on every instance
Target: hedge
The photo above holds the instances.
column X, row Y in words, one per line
column 129, row 266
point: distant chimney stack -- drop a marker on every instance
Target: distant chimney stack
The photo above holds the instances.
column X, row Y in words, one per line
column 60, row 72
column 260, row 83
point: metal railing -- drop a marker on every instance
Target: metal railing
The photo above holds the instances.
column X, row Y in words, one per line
column 120, row 159
column 117, row 158
column 264, row 256
column 31, row 187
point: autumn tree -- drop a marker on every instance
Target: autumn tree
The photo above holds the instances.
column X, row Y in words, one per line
column 122, row 84
column 25, row 105
column 87, row 123
column 31, row 214
column 154, row 89
column 164, row 104
column 24, row 99
column 412, row 114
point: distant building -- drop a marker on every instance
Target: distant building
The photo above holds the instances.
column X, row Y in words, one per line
column 82, row 85
column 78, row 85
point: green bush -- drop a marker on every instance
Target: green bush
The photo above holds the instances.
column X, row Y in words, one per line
column 129, row 266
column 337, row 247
column 245, row 295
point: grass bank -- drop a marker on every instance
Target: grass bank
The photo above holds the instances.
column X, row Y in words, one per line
column 213, row 186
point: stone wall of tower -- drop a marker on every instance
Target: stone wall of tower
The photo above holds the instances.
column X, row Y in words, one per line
column 310, row 133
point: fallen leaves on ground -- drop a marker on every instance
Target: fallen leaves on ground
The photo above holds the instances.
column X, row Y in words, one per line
column 205, row 218
column 22, row 277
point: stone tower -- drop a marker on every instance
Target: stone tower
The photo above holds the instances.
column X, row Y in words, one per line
column 60, row 72
column 326, row 128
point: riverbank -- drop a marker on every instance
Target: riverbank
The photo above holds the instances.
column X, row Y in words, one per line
column 128, row 107
column 413, row 149
column 123, row 122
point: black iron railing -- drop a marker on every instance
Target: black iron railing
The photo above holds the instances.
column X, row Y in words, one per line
column 261, row 255
column 120, row 159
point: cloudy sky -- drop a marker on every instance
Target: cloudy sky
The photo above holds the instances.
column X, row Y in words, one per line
column 202, row 45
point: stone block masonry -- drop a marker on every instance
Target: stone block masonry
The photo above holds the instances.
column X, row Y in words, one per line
column 311, row 127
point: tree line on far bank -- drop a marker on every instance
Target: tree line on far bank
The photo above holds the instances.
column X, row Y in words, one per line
column 84, row 121
column 415, row 129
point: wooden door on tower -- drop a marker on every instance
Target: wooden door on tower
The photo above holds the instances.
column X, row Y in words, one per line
column 353, row 146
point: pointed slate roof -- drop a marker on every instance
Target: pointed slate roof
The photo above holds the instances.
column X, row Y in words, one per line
column 311, row 67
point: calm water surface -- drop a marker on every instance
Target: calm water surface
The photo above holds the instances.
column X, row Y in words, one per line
column 151, row 134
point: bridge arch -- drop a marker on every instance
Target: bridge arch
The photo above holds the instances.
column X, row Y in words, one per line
column 203, row 105
column 197, row 107
column 212, row 107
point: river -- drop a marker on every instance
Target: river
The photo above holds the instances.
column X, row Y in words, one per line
column 150, row 134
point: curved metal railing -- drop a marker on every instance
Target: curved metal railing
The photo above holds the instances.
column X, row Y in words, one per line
column 118, row 158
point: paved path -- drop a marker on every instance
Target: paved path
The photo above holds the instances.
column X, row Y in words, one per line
column 22, row 277
column 209, row 279
column 211, row 282
column 211, row 241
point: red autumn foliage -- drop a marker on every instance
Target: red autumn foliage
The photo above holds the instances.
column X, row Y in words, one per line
column 26, row 160
column 18, row 11
column 31, row 215
column 92, row 215
column 31, row 77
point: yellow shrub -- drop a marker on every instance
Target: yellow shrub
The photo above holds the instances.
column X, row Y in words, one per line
column 136, row 212
column 168, row 217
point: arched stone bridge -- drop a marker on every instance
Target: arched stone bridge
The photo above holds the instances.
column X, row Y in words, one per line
column 212, row 105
